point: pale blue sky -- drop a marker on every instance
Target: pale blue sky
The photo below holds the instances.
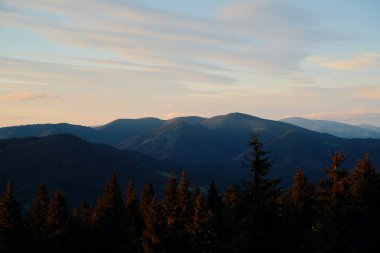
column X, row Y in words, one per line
column 89, row 62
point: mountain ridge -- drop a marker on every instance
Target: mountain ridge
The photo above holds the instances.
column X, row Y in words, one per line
column 334, row 128
column 220, row 141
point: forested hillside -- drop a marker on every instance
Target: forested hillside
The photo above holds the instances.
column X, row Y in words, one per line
column 338, row 214
column 67, row 163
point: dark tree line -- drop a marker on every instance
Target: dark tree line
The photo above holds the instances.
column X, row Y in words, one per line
column 340, row 214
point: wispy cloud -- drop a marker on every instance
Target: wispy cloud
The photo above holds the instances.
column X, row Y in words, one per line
column 367, row 92
column 22, row 96
column 236, row 37
column 75, row 78
column 359, row 62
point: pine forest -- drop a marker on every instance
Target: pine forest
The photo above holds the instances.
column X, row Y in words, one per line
column 338, row 214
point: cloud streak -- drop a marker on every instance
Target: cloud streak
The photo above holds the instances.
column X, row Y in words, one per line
column 236, row 37
column 22, row 96
column 115, row 56
column 361, row 61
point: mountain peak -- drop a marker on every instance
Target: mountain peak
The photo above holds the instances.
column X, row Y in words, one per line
column 188, row 119
column 235, row 120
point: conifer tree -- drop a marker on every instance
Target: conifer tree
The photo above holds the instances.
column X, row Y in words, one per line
column 214, row 201
column 332, row 225
column 199, row 227
column 57, row 223
column 365, row 190
column 171, row 213
column 153, row 233
column 11, row 224
column 260, row 163
column 200, row 210
column 133, row 220
column 57, row 214
column 170, row 202
column 185, row 208
column 215, row 236
column 231, row 196
column 258, row 204
column 365, row 180
column 80, row 227
column 184, row 199
column 336, row 185
column 230, row 214
column 37, row 216
column 147, row 195
column 108, row 217
column 85, row 214
column 299, row 214
column 261, row 189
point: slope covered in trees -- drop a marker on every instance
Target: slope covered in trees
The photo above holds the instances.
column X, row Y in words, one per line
column 67, row 163
column 338, row 214
column 207, row 145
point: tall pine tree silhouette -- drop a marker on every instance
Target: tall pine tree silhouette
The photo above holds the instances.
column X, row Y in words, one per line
column 153, row 233
column 299, row 214
column 185, row 208
column 57, row 222
column 200, row 223
column 11, row 225
column 147, row 195
column 80, row 228
column 170, row 210
column 108, row 217
column 365, row 190
column 37, row 219
column 215, row 236
column 37, row 214
column 258, row 204
column 57, row 214
column 133, row 220
column 332, row 227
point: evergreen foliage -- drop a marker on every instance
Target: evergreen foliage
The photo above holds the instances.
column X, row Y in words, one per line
column 57, row 223
column 340, row 214
column 133, row 220
column 108, row 217
column 152, row 237
column 11, row 225
column 38, row 212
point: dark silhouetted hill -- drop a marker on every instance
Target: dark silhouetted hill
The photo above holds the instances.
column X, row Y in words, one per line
column 213, row 148
column 65, row 162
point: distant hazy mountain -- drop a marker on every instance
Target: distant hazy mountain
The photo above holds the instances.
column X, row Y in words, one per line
column 224, row 139
column 188, row 119
column 123, row 129
column 370, row 127
column 335, row 128
column 213, row 148
column 179, row 141
column 40, row 130
column 112, row 133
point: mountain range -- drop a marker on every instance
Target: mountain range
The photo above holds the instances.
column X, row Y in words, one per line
column 335, row 128
column 150, row 149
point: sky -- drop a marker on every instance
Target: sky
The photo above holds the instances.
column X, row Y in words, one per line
column 90, row 62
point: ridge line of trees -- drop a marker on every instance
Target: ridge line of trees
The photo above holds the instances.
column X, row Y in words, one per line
column 340, row 214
